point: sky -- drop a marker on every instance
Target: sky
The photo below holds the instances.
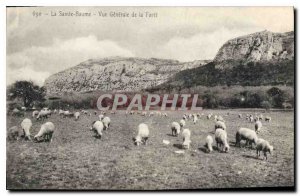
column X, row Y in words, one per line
column 39, row 46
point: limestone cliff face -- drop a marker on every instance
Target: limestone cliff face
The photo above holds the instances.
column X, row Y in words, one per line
column 260, row 46
column 117, row 74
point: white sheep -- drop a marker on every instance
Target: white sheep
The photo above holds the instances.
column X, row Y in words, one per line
column 26, row 124
column 142, row 136
column 251, row 119
column 260, row 117
column 151, row 113
column 246, row 134
column 42, row 115
column 144, row 113
column 23, row 108
column 165, row 114
column 61, row 112
column 68, row 114
column 35, row 113
column 45, row 133
column 195, row 118
column 268, row 118
column 182, row 122
column 97, row 127
column 184, row 117
column 77, row 115
column 221, row 140
column 220, row 125
column 258, row 126
column 263, row 145
column 186, row 133
column 131, row 112
column 208, row 143
column 106, row 122
column 209, row 116
column 175, row 127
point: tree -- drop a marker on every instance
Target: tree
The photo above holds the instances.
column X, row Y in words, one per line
column 27, row 91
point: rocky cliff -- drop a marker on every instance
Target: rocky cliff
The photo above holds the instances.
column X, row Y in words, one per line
column 118, row 74
column 260, row 46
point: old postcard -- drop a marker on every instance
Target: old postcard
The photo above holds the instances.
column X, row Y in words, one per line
column 150, row 98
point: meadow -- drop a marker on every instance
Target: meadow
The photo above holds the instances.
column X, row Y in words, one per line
column 77, row 160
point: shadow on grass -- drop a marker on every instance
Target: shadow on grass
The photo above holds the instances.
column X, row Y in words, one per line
column 203, row 149
column 250, row 157
column 169, row 134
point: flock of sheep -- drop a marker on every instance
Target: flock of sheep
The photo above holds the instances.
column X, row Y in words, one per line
column 220, row 134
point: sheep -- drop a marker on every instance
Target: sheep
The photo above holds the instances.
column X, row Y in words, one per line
column 195, row 118
column 84, row 112
column 268, row 118
column 45, row 133
column 77, row 115
column 220, row 125
column 184, row 117
column 142, row 136
column 23, row 108
column 106, row 122
column 42, row 115
column 186, row 133
column 14, row 133
column 221, row 140
column 220, row 118
column 240, row 115
column 190, row 116
column 215, row 117
column 97, row 127
column 34, row 113
column 165, row 114
column 101, row 116
column 182, row 123
column 208, row 143
column 258, row 126
column 144, row 114
column 251, row 119
column 263, row 145
column 55, row 111
column 209, row 116
column 246, row 134
column 260, row 117
column 151, row 114
column 158, row 113
column 175, row 127
column 61, row 112
column 131, row 112
column 26, row 124
column 68, row 114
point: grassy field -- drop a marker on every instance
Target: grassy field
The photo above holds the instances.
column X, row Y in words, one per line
column 76, row 160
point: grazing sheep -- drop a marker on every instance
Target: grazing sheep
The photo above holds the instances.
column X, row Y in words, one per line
column 221, row 140
column 26, row 124
column 68, row 114
column 34, row 113
column 84, row 112
column 144, row 113
column 151, row 114
column 131, row 112
column 184, row 117
column 61, row 112
column 14, row 133
column 195, row 118
column 215, row 117
column 263, row 145
column 258, row 126
column 45, row 133
column 245, row 134
column 208, row 143
column 268, row 118
column 77, row 115
column 42, row 115
column 142, row 136
column 260, row 117
column 175, row 127
column 220, row 125
column 190, row 116
column 186, row 133
column 182, row 123
column 97, row 127
column 101, row 116
column 251, row 119
column 106, row 122
column 165, row 114
column 220, row 118
column 209, row 116
column 23, row 108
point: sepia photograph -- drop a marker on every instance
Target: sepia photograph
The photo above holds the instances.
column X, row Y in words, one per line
column 112, row 98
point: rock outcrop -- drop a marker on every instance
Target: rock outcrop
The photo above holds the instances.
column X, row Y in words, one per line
column 117, row 74
column 260, row 46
